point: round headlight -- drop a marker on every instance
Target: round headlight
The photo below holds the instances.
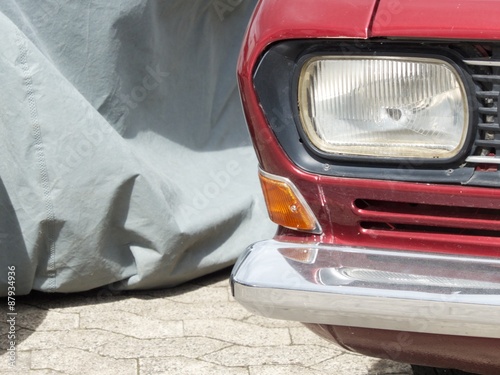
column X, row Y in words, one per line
column 388, row 107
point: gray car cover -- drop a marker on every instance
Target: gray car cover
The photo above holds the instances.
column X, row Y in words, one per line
column 124, row 156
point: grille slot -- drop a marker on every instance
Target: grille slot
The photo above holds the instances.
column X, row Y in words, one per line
column 429, row 229
column 485, row 74
column 485, row 78
column 411, row 217
column 494, row 143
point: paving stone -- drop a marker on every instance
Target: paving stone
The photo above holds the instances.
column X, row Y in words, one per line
column 32, row 318
column 300, row 355
column 354, row 364
column 196, row 328
column 45, row 372
column 302, row 336
column 98, row 304
column 100, row 300
column 185, row 366
column 83, row 339
column 189, row 347
column 50, row 301
column 386, row 367
column 214, row 310
column 168, row 310
column 236, row 332
column 77, row 362
column 271, row 323
column 22, row 366
column 130, row 324
column 283, row 370
column 202, row 295
column 4, row 329
column 216, row 279
column 172, row 292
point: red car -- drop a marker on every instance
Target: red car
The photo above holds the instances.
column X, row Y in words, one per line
column 376, row 125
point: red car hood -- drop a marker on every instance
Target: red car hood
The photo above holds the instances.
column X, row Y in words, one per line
column 275, row 20
column 437, row 19
column 450, row 19
column 288, row 19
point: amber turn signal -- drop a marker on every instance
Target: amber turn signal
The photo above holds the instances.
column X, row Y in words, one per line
column 285, row 204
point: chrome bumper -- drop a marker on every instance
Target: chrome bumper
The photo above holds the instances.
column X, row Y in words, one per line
column 370, row 288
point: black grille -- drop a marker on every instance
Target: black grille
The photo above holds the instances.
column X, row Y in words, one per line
column 486, row 77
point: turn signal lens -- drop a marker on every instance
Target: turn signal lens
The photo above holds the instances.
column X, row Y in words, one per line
column 285, row 204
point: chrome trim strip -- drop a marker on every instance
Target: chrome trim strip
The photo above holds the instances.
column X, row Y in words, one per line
column 483, row 160
column 482, row 62
column 272, row 284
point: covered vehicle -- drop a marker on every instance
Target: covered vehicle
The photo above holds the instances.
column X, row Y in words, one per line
column 124, row 156
column 376, row 126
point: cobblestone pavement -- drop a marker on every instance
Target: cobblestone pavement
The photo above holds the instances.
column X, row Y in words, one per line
column 196, row 328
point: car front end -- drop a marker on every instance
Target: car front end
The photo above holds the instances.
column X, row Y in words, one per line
column 376, row 125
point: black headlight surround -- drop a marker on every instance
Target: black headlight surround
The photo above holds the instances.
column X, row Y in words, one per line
column 446, row 162
column 276, row 81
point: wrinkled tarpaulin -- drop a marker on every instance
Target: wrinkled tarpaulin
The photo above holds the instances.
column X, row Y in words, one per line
column 124, row 158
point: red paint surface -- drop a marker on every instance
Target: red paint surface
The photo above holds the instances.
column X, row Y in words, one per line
column 448, row 19
column 471, row 354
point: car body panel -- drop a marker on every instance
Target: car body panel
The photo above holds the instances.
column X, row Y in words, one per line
column 475, row 355
column 443, row 19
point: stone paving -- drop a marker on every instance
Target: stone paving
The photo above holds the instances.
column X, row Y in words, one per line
column 196, row 328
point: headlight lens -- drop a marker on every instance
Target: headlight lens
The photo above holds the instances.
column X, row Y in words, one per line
column 387, row 107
